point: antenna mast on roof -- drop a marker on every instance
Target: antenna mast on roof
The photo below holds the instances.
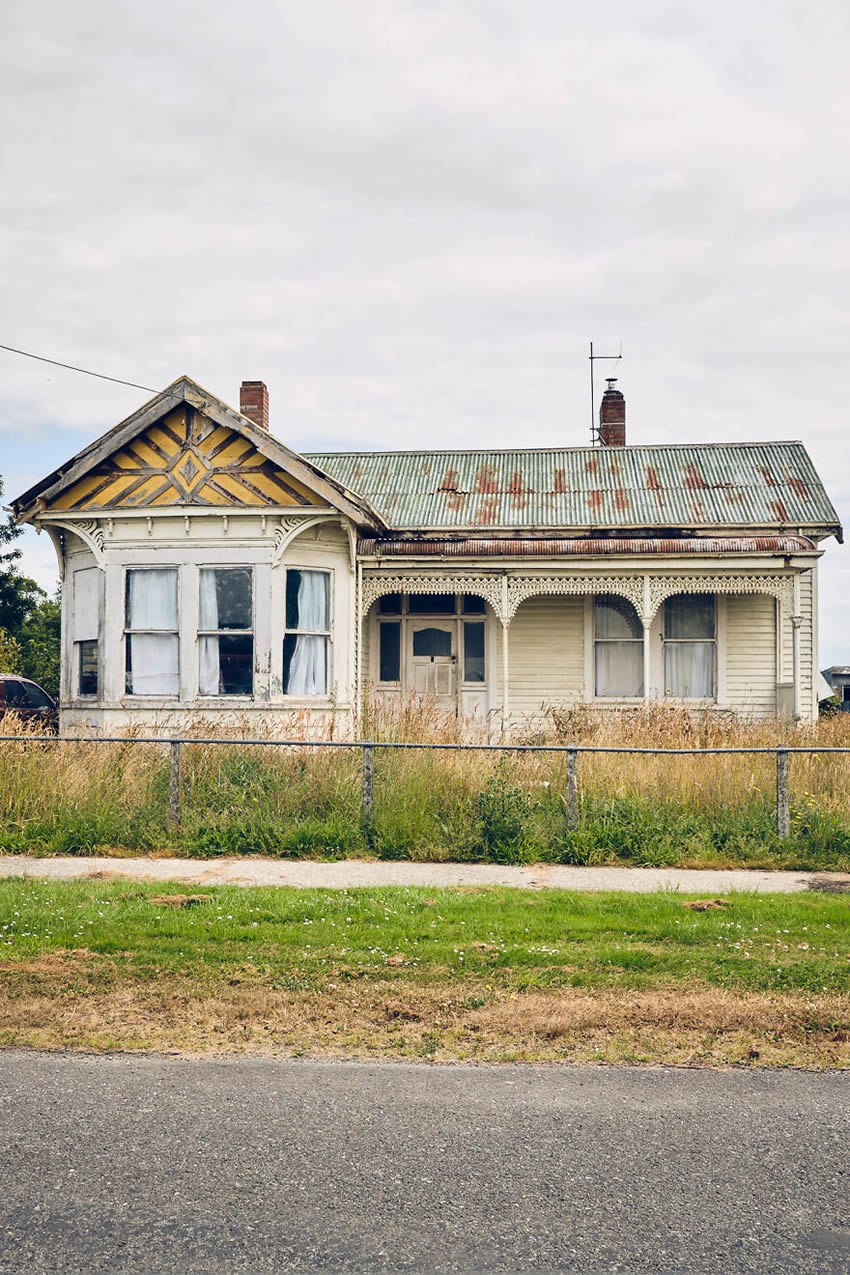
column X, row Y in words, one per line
column 594, row 425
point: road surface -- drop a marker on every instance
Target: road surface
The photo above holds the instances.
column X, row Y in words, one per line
column 152, row 1164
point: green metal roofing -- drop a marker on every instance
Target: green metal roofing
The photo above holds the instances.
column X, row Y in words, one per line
column 765, row 485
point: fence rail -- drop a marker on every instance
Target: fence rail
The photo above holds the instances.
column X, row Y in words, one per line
column 781, row 752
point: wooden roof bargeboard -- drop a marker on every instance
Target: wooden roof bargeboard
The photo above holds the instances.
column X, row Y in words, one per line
column 184, row 390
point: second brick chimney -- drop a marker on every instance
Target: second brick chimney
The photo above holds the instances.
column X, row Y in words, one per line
column 254, row 402
column 612, row 416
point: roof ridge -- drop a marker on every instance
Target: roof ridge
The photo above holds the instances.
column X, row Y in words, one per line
column 519, row 451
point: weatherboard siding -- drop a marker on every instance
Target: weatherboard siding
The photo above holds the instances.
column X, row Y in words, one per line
column 751, row 654
column 546, row 657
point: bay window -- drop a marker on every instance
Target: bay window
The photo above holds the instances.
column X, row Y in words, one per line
column 689, row 645
column 226, row 631
column 618, row 648
column 308, row 630
column 86, row 624
column 151, row 659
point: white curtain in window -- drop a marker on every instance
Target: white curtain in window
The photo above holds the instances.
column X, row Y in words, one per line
column 308, row 671
column 152, row 604
column 86, row 592
column 619, row 669
column 689, row 669
column 210, row 669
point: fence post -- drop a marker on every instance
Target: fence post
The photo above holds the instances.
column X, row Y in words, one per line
column 572, row 787
column 368, row 812
column 783, row 807
column 174, row 784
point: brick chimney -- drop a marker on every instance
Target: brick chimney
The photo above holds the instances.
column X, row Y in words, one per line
column 612, row 416
column 254, row 402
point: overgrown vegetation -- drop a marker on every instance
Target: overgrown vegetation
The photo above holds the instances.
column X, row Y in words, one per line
column 29, row 620
column 703, row 811
column 459, row 973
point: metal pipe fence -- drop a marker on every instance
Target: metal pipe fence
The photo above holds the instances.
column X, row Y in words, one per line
column 782, row 754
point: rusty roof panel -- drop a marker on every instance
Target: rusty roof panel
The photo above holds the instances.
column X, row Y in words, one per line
column 764, row 485
column 512, row 547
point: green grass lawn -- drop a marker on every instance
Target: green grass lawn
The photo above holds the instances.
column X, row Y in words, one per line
column 519, row 939
column 463, row 974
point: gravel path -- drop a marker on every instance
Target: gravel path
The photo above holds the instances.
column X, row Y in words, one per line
column 349, row 873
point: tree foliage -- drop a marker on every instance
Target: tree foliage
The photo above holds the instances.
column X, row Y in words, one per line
column 30, row 622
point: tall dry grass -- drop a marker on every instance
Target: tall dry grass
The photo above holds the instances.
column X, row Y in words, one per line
column 80, row 796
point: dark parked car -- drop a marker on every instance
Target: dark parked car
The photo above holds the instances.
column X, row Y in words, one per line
column 27, row 699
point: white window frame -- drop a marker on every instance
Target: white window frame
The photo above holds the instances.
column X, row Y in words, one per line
column 715, row 642
column 327, row 634
column 590, row 631
column 252, row 632
column 128, row 632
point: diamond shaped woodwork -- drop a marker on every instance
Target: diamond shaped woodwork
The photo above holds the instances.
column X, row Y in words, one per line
column 186, row 459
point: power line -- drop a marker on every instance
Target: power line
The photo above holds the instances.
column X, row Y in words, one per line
column 86, row 372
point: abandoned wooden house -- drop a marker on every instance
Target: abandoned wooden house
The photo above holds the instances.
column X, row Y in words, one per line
column 211, row 571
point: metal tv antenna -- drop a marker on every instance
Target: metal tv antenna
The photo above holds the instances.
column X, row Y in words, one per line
column 594, row 426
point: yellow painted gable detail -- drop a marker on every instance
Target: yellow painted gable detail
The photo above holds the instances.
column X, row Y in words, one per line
column 186, row 459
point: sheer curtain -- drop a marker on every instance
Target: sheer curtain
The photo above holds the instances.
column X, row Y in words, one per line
column 689, row 669
column 619, row 670
column 689, row 631
column 619, row 648
column 308, row 668
column 210, row 666
column 153, row 667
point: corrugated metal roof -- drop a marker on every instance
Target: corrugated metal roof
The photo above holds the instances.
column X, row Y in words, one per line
column 710, row 485
column 580, row 546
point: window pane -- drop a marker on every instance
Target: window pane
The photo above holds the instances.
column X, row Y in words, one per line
column 432, row 642
column 36, row 697
column 689, row 616
column 473, row 652
column 619, row 669
column 305, row 665
column 390, row 604
column 226, row 598
column 236, row 664
column 15, row 697
column 390, row 670
column 152, row 598
column 616, row 618
column 689, row 669
column 473, row 605
column 152, row 664
column 227, row 665
column 86, row 586
column 308, row 600
column 88, row 668
column 431, row 604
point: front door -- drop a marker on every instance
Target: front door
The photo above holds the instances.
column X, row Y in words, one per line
column 433, row 660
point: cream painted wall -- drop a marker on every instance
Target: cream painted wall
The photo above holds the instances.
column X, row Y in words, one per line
column 545, row 658
column 751, row 654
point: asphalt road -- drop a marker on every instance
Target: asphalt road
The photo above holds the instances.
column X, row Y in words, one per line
column 161, row 1164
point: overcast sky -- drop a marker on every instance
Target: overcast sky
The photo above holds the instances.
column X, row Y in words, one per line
column 410, row 219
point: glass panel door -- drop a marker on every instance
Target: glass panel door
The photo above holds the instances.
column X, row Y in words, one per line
column 433, row 660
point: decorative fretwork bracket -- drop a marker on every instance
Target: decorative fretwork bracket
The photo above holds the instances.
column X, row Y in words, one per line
column 506, row 593
column 662, row 587
column 377, row 584
column 286, row 531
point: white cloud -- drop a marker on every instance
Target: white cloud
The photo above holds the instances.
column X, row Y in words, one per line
column 410, row 218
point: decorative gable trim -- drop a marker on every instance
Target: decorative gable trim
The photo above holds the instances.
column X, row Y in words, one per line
column 168, row 468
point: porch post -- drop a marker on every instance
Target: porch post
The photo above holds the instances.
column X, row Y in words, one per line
column 646, row 649
column 796, row 620
column 505, row 654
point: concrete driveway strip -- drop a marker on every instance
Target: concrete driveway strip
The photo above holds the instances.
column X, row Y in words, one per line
column 353, row 873
column 160, row 1165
